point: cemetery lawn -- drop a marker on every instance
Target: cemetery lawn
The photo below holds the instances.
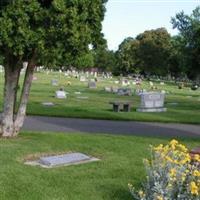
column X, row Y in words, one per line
column 121, row 163
column 183, row 105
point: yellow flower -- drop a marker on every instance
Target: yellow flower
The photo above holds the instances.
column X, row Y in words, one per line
column 196, row 173
column 173, row 143
column 197, row 157
column 194, row 188
column 159, row 198
column 158, row 148
column 172, row 172
column 183, row 148
column 141, row 194
column 169, row 185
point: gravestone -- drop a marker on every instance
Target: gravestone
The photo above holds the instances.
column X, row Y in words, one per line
column 61, row 94
column 115, row 89
column 125, row 82
column 82, row 97
column 108, row 89
column 48, row 104
column 134, row 83
column 77, row 92
column 116, row 82
column 54, row 82
column 62, row 160
column 124, row 91
column 139, row 91
column 92, row 85
column 152, row 102
column 82, row 79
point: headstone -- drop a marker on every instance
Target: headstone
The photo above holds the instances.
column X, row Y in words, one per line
column 163, row 91
column 152, row 102
column 61, row 94
column 92, row 85
column 54, row 82
column 139, row 91
column 116, row 82
column 82, row 79
column 77, row 92
column 134, row 83
column 125, row 82
column 95, row 74
column 162, row 83
column 48, row 104
column 108, row 89
column 115, row 89
column 124, row 91
column 81, row 97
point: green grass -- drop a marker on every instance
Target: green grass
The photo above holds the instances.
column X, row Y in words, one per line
column 97, row 105
column 121, row 163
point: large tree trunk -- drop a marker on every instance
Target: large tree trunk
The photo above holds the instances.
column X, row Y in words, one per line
column 11, row 85
column 19, row 120
column 11, row 123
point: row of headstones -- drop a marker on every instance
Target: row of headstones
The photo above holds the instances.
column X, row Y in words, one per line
column 91, row 84
column 150, row 101
column 126, row 91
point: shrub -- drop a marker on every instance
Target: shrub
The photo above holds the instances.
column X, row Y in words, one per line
column 171, row 174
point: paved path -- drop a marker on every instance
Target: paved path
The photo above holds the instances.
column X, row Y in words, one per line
column 56, row 124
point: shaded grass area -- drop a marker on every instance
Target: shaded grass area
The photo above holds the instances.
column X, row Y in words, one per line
column 121, row 163
column 185, row 110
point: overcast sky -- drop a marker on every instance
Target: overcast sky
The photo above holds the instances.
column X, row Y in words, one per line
column 126, row 18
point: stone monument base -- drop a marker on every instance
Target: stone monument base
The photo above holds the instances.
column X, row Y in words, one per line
column 151, row 109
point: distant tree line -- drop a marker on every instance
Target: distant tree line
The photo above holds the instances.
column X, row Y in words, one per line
column 154, row 52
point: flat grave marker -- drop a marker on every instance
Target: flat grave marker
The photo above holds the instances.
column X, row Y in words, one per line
column 62, row 160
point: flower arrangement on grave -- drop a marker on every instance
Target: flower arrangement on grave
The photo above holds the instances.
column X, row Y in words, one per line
column 172, row 174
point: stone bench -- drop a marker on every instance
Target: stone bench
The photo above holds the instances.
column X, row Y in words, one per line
column 121, row 105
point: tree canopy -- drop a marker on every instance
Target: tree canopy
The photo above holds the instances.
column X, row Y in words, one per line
column 189, row 27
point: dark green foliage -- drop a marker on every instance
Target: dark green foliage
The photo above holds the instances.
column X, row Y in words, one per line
column 104, row 59
column 147, row 53
column 53, row 31
column 127, row 56
column 154, row 51
column 189, row 27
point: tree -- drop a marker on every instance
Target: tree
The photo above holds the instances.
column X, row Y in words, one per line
column 104, row 59
column 177, row 59
column 127, row 57
column 84, row 61
column 154, row 51
column 189, row 27
column 42, row 32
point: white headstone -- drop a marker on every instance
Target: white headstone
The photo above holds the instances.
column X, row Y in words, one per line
column 82, row 79
column 61, row 94
column 152, row 102
column 108, row 89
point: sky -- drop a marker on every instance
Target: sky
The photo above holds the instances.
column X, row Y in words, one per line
column 128, row 18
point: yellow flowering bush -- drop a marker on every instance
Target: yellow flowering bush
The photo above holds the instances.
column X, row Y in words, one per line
column 171, row 174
